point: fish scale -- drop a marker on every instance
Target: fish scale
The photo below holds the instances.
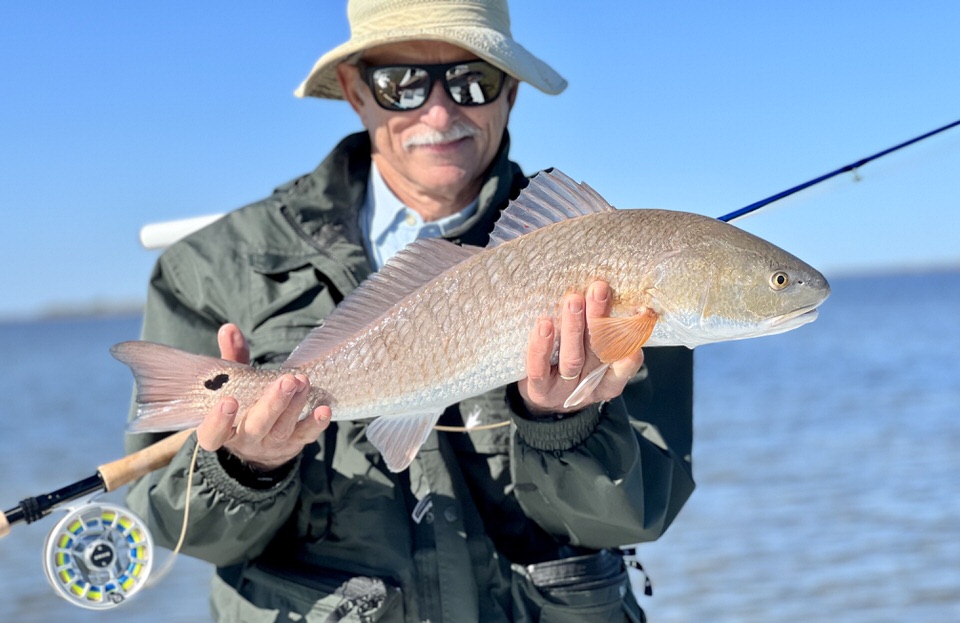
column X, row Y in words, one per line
column 441, row 323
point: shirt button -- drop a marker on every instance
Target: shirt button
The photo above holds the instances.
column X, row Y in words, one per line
column 410, row 220
column 450, row 515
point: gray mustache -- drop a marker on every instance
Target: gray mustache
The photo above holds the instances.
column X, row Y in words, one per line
column 436, row 137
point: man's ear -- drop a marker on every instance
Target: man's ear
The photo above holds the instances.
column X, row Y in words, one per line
column 352, row 86
column 513, row 87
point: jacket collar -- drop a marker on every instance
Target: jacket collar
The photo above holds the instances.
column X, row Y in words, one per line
column 323, row 208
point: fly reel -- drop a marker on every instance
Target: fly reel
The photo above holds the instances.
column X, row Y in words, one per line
column 98, row 556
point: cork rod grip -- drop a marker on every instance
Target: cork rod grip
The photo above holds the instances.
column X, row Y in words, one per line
column 133, row 466
column 4, row 526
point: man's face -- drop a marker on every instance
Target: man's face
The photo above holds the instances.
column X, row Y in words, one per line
column 449, row 169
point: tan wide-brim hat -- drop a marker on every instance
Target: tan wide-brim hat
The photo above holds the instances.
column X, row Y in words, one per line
column 480, row 26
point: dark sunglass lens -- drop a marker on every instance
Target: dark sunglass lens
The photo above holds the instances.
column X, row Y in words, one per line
column 400, row 88
column 474, row 84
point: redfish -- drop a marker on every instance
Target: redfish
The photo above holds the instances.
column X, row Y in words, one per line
column 440, row 322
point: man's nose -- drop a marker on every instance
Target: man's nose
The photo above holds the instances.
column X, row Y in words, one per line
column 439, row 110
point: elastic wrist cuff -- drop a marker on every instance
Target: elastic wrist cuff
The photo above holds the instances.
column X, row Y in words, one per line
column 552, row 432
column 219, row 479
column 251, row 477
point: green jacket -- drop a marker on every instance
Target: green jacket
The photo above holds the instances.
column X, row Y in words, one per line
column 467, row 533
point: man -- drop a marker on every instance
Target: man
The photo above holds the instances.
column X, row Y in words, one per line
column 302, row 519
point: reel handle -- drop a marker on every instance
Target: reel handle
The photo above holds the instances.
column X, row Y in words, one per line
column 122, row 471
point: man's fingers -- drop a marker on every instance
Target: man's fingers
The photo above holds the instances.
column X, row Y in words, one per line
column 628, row 367
column 310, row 428
column 285, row 424
column 599, row 300
column 573, row 328
column 620, row 373
column 539, row 350
column 233, row 346
column 217, row 427
column 276, row 413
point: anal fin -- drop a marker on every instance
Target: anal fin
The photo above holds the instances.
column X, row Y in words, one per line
column 399, row 437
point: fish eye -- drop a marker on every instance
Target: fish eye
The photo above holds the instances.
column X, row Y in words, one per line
column 779, row 280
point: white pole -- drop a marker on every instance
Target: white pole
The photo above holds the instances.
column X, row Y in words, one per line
column 163, row 234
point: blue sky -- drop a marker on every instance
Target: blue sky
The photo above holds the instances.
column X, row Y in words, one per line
column 117, row 114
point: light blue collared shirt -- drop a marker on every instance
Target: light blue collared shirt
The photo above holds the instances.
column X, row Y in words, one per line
column 388, row 225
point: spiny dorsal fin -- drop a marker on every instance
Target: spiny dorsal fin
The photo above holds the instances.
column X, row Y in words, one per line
column 416, row 265
column 550, row 197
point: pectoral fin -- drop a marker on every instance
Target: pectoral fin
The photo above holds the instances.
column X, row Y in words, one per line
column 399, row 437
column 612, row 339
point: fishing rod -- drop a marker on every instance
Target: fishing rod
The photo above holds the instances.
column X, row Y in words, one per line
column 109, row 477
column 853, row 166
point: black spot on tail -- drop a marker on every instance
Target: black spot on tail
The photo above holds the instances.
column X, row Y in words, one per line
column 216, row 382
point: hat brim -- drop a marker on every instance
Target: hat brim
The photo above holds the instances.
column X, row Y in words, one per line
column 487, row 44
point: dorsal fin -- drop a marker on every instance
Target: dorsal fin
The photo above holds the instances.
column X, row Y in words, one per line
column 550, row 197
column 414, row 266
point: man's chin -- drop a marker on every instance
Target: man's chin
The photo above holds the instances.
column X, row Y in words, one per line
column 445, row 176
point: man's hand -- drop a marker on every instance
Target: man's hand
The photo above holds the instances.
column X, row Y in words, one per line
column 547, row 387
column 269, row 434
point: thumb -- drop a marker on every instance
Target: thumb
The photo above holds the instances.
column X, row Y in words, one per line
column 233, row 346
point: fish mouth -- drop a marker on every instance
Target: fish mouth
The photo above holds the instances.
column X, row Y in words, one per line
column 795, row 318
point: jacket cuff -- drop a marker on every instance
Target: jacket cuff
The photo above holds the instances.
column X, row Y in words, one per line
column 552, row 432
column 250, row 476
column 210, row 467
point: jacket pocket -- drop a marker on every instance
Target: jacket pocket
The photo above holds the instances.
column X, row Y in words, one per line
column 581, row 589
column 285, row 298
column 274, row 595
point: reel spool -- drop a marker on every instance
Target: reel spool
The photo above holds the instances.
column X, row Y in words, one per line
column 98, row 556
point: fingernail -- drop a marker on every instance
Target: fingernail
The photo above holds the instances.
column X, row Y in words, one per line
column 228, row 409
column 288, row 385
column 545, row 328
column 599, row 292
column 575, row 305
column 238, row 341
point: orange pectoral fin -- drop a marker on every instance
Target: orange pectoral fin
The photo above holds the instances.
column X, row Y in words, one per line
column 615, row 338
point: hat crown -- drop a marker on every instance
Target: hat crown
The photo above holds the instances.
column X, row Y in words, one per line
column 369, row 17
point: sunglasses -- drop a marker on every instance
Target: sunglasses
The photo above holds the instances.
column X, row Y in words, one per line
column 407, row 87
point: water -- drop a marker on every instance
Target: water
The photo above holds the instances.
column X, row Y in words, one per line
column 827, row 467
column 826, row 461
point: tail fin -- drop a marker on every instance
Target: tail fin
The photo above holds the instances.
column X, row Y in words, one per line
column 175, row 389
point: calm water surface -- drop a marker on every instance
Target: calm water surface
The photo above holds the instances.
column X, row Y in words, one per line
column 826, row 459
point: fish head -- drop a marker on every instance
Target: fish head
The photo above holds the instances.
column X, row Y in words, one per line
column 757, row 288
column 727, row 284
